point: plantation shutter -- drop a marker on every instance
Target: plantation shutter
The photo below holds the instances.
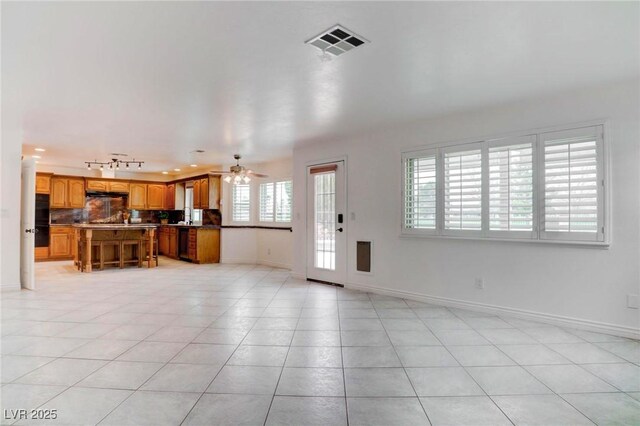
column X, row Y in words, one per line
column 511, row 186
column 420, row 192
column 573, row 184
column 241, row 198
column 266, row 202
column 462, row 190
column 283, row 191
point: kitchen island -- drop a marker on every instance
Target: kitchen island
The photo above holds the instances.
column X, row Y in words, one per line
column 114, row 244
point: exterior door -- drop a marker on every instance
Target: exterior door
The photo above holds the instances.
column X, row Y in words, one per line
column 28, row 224
column 326, row 223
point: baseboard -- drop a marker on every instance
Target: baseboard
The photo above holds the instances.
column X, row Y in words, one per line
column 298, row 276
column 240, row 261
column 274, row 264
column 583, row 324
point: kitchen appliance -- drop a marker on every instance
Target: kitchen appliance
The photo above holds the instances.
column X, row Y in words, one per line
column 42, row 220
column 183, row 244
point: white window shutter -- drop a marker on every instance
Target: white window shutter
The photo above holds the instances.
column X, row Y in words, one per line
column 420, row 192
column 241, row 200
column 462, row 191
column 283, row 198
column 266, row 202
column 511, row 188
column 572, row 184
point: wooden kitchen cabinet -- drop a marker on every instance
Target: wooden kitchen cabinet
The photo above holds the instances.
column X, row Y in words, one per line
column 43, row 183
column 196, row 194
column 155, row 196
column 118, row 186
column 204, row 245
column 173, row 242
column 170, row 203
column 214, row 192
column 163, row 240
column 204, row 193
column 76, row 193
column 61, row 242
column 138, row 196
column 67, row 193
column 58, row 197
column 97, row 185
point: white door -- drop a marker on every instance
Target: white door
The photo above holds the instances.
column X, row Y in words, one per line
column 326, row 223
column 28, row 224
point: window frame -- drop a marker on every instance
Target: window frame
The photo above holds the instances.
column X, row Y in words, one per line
column 233, row 204
column 537, row 235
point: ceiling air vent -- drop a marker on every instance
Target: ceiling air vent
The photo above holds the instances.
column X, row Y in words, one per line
column 336, row 40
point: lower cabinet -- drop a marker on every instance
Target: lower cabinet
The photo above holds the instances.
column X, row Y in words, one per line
column 61, row 242
column 204, row 244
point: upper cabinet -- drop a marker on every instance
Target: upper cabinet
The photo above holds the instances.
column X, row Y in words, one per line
column 138, row 196
column 67, row 193
column 43, row 184
column 107, row 185
column 170, row 203
column 156, row 196
column 206, row 193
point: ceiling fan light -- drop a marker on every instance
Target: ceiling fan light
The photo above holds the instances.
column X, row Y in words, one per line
column 246, row 179
column 227, row 179
column 237, row 179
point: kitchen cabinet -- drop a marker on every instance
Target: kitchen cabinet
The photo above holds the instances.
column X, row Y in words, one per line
column 76, row 193
column 170, row 203
column 204, row 193
column 67, row 193
column 138, row 196
column 196, row 194
column 107, row 185
column 61, row 242
column 43, row 183
column 173, row 242
column 163, row 240
column 155, row 196
column 204, row 245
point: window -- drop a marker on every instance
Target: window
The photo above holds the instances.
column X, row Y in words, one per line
column 241, row 210
column 511, row 185
column 275, row 201
column 572, row 184
column 546, row 186
column 420, row 192
column 463, row 190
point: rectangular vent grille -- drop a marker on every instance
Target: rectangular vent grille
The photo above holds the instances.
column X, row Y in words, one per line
column 337, row 40
column 363, row 256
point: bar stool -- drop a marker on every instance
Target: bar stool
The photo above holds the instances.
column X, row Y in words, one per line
column 136, row 252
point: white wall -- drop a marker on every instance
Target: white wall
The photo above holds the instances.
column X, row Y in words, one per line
column 254, row 245
column 583, row 283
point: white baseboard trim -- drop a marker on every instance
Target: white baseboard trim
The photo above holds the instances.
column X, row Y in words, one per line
column 564, row 321
column 274, row 264
column 240, row 261
column 298, row 276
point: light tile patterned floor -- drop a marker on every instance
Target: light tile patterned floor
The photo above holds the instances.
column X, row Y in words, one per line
column 243, row 344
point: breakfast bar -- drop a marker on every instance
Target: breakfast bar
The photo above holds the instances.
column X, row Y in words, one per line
column 101, row 245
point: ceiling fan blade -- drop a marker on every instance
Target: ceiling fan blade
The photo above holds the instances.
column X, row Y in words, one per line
column 259, row 175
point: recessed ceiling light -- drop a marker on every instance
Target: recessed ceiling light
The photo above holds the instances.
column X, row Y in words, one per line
column 194, row 165
column 176, row 170
column 36, row 156
column 40, row 149
column 165, row 173
column 36, row 161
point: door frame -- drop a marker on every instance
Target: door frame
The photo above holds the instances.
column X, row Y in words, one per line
column 319, row 162
column 27, row 207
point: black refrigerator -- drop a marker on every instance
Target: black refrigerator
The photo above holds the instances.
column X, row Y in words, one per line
column 42, row 220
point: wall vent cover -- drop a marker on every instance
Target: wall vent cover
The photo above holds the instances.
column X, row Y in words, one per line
column 337, row 40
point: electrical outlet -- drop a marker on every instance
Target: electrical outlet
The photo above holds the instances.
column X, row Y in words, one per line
column 479, row 283
column 632, row 301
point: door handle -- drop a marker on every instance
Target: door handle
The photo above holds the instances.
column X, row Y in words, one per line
column 31, row 231
column 339, row 230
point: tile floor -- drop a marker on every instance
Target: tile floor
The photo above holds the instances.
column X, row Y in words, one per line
column 241, row 344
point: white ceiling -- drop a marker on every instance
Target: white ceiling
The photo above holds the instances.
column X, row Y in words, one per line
column 158, row 80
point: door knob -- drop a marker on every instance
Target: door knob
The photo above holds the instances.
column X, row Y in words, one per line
column 339, row 230
column 30, row 231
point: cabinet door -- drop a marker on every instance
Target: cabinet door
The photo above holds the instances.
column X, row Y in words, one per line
column 61, row 242
column 196, row 194
column 170, row 204
column 58, row 198
column 119, row 186
column 76, row 194
column 155, row 196
column 97, row 185
column 43, row 184
column 214, row 192
column 138, row 196
column 173, row 245
column 204, row 193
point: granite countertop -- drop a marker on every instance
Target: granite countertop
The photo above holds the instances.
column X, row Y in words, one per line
column 115, row 226
column 175, row 225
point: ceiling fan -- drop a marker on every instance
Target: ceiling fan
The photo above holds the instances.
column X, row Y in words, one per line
column 238, row 174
